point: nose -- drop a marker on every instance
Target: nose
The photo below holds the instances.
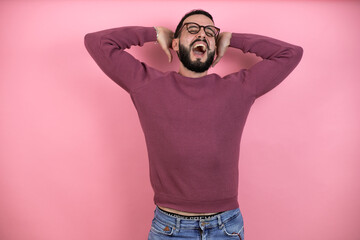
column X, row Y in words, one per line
column 201, row 33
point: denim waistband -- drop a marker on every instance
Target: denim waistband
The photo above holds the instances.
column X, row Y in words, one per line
column 198, row 217
column 179, row 222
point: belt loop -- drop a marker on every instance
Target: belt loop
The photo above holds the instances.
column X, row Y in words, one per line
column 219, row 220
column 178, row 224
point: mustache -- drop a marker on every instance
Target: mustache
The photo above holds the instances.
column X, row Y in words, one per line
column 200, row 40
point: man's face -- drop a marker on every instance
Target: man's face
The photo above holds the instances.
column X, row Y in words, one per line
column 196, row 51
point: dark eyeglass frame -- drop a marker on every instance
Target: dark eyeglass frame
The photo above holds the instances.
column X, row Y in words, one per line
column 199, row 27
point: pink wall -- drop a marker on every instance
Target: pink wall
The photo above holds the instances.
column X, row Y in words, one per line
column 73, row 160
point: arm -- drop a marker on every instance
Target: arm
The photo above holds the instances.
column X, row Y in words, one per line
column 107, row 49
column 279, row 60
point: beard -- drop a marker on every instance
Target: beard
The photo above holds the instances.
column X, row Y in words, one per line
column 197, row 65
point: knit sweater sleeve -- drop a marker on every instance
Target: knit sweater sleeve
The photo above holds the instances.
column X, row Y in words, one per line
column 107, row 47
column 278, row 60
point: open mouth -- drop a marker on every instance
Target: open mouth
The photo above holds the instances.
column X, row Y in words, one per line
column 199, row 49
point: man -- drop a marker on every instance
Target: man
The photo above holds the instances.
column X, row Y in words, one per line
column 193, row 121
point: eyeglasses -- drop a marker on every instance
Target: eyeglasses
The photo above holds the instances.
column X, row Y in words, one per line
column 194, row 28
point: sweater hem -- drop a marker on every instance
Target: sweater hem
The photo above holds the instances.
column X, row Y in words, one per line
column 192, row 206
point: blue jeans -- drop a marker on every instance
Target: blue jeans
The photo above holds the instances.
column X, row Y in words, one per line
column 226, row 225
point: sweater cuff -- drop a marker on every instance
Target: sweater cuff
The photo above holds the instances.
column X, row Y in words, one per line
column 150, row 34
column 237, row 40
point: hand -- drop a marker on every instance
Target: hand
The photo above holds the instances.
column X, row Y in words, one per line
column 223, row 42
column 165, row 37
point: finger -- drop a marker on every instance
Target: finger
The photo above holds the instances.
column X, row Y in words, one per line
column 168, row 53
column 218, row 57
column 215, row 62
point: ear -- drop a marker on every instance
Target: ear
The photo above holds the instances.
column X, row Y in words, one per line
column 175, row 44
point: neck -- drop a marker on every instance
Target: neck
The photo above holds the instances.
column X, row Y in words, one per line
column 191, row 74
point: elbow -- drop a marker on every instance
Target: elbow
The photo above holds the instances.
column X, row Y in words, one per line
column 297, row 53
column 91, row 43
column 292, row 54
column 88, row 39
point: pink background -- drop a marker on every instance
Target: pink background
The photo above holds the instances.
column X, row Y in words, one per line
column 73, row 160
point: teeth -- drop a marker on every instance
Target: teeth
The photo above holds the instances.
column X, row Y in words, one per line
column 200, row 45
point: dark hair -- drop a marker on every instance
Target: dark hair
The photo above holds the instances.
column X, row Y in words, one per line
column 193, row 12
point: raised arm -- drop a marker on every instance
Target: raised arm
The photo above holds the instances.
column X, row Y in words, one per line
column 107, row 47
column 279, row 60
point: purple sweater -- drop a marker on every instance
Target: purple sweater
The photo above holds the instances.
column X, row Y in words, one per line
column 192, row 126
